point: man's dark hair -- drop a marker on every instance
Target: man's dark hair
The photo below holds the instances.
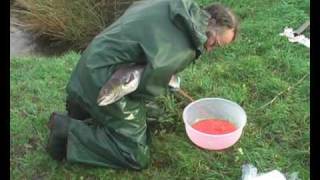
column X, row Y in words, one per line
column 222, row 18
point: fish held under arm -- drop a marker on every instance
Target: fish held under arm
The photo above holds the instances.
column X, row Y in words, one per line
column 124, row 81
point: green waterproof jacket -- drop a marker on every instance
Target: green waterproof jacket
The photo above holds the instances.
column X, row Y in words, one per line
column 164, row 35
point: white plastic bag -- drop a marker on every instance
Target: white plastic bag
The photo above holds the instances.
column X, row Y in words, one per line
column 301, row 39
column 249, row 172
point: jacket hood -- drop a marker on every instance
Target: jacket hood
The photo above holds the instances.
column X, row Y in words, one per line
column 191, row 19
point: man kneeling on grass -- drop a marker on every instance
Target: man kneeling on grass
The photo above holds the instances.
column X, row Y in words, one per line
column 165, row 36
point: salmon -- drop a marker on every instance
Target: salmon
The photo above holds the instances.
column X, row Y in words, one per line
column 124, row 81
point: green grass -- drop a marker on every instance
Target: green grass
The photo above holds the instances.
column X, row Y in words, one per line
column 252, row 71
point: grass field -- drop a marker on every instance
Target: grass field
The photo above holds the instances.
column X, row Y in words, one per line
column 259, row 66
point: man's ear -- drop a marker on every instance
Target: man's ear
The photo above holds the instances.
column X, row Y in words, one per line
column 210, row 39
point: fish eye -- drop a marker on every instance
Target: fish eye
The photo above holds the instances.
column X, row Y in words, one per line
column 129, row 79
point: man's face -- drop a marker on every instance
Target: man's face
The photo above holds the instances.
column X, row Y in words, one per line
column 219, row 40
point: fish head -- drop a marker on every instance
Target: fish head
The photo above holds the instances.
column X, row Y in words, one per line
column 109, row 93
column 114, row 90
column 119, row 86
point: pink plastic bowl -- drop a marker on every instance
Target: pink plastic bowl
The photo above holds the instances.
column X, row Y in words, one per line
column 214, row 108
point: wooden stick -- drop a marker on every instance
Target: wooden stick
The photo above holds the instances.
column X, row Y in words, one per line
column 302, row 28
column 288, row 89
column 199, row 108
column 185, row 95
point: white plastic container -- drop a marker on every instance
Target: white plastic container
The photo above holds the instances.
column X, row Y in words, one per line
column 214, row 108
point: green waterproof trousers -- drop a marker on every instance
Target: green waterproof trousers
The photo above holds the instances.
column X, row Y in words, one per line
column 116, row 137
